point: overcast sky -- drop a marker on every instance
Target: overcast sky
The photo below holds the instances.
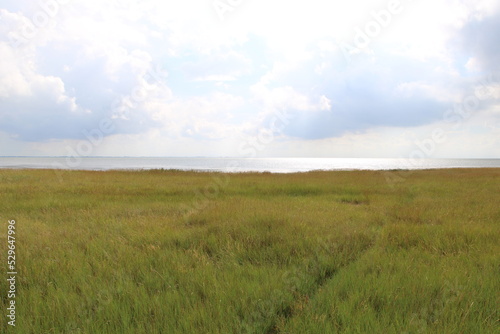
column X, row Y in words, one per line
column 250, row 78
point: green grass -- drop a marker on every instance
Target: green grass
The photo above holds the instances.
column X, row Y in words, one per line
column 185, row 252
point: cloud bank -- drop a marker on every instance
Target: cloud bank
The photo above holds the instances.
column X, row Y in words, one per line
column 182, row 79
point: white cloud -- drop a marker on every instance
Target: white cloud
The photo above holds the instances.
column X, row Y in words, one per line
column 325, row 103
column 223, row 80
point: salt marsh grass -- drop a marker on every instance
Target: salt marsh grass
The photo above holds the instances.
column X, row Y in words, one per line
column 319, row 252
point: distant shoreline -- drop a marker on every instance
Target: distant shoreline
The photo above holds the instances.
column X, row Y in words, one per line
column 234, row 165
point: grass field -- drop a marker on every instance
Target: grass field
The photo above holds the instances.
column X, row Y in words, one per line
column 319, row 252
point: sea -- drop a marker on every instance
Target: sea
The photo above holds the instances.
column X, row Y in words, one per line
column 234, row 165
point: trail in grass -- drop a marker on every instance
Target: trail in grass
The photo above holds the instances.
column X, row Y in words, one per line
column 323, row 277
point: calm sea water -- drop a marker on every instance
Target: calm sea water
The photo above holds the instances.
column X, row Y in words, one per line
column 274, row 165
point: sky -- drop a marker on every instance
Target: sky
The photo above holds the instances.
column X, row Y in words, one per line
column 250, row 78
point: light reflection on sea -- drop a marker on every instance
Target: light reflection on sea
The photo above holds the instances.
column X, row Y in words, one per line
column 273, row 165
